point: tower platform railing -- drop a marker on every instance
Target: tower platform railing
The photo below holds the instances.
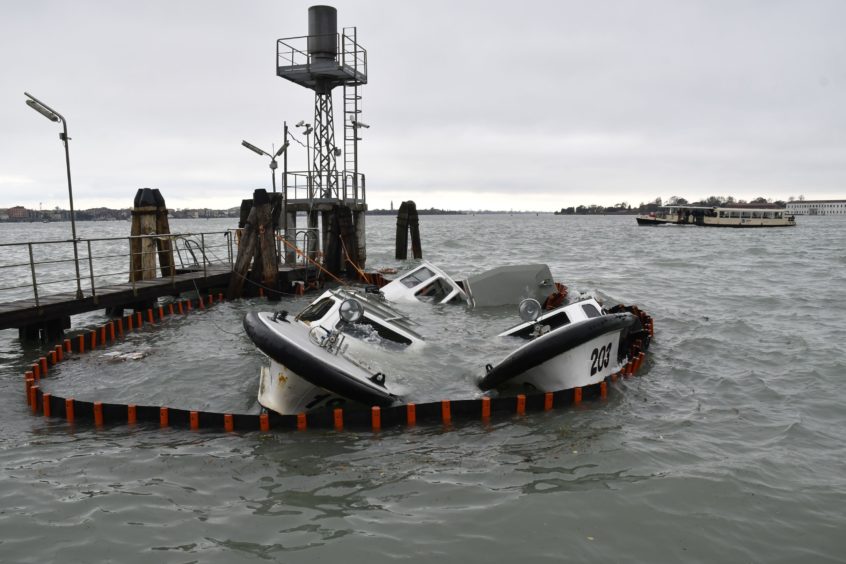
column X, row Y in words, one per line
column 294, row 62
column 352, row 188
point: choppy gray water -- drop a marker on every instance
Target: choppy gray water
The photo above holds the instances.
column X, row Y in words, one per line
column 730, row 446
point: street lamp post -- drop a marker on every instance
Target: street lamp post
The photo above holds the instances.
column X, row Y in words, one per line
column 357, row 124
column 307, row 129
column 311, row 225
column 54, row 116
column 273, row 164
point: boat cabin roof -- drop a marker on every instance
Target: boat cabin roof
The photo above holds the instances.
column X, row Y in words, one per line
column 572, row 313
column 425, row 282
column 737, row 207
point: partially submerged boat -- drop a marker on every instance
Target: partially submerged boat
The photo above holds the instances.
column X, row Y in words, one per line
column 325, row 355
column 504, row 285
column 318, row 358
column 425, row 282
column 719, row 216
column 572, row 346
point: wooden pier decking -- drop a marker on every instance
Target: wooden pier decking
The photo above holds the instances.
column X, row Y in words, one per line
column 52, row 307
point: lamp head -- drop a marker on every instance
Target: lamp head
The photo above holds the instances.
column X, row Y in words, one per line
column 530, row 309
column 42, row 110
column 281, row 149
column 253, row 148
column 351, row 310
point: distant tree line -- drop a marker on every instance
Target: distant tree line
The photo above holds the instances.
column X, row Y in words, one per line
column 626, row 208
column 421, row 211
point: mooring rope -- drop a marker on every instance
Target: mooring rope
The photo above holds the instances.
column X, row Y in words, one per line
column 315, row 263
column 354, row 265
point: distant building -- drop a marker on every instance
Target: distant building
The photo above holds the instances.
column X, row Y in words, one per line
column 18, row 213
column 817, row 207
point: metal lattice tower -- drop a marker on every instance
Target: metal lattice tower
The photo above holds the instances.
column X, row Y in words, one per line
column 325, row 182
column 336, row 204
column 321, row 61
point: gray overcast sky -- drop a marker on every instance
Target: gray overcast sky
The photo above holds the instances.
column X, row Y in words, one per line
column 497, row 105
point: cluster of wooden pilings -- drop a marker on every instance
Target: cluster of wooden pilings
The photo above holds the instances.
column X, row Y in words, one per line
column 149, row 217
column 334, row 246
column 407, row 221
column 256, row 246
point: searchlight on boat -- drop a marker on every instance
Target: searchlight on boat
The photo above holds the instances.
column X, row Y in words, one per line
column 530, row 309
column 351, row 310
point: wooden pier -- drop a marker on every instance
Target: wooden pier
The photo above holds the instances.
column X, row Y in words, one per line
column 52, row 312
column 51, row 315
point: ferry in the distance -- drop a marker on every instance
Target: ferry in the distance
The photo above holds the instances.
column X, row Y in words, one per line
column 717, row 216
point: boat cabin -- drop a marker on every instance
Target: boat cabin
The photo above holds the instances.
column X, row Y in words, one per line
column 500, row 286
column 378, row 317
column 573, row 313
column 738, row 215
column 426, row 282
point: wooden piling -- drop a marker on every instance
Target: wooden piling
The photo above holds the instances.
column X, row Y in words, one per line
column 142, row 255
column 257, row 245
column 149, row 217
column 331, row 242
column 407, row 220
column 359, row 220
column 402, row 232
column 163, row 244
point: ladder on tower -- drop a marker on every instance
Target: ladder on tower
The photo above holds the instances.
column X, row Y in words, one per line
column 352, row 110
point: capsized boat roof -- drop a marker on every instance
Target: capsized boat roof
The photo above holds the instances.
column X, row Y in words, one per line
column 509, row 285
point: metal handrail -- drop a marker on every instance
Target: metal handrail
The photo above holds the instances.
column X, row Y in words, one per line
column 348, row 189
column 310, row 236
column 348, row 52
column 42, row 271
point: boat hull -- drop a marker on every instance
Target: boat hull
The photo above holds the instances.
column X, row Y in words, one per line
column 655, row 221
column 575, row 355
column 303, row 375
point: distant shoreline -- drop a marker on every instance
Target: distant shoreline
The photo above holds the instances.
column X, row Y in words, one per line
column 23, row 215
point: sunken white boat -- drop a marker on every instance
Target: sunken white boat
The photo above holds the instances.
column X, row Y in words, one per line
column 573, row 346
column 319, row 358
column 501, row 286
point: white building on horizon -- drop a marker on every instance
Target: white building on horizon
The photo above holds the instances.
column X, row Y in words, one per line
column 816, row 207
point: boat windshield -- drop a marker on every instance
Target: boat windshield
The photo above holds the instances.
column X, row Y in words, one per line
column 365, row 327
column 316, row 310
column 436, row 291
column 553, row 320
column 590, row 310
column 416, row 277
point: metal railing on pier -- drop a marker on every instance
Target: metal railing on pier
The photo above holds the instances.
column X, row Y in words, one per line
column 37, row 269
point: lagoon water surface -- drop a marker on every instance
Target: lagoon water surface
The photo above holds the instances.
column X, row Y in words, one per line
column 728, row 448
